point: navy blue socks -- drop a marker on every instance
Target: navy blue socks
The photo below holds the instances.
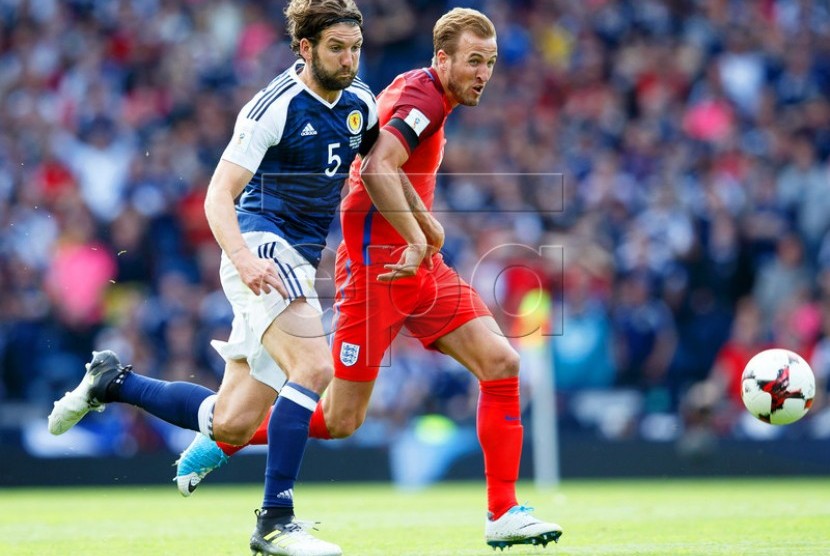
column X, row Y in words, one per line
column 289, row 424
column 175, row 402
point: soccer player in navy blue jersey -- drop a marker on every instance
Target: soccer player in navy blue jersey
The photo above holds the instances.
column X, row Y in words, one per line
column 269, row 204
column 388, row 231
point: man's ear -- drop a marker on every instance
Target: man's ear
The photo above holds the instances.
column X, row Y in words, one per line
column 442, row 60
column 305, row 49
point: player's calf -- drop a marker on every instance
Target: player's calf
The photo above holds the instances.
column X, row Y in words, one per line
column 236, row 429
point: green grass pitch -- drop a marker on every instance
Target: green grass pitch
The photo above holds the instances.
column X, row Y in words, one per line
column 775, row 517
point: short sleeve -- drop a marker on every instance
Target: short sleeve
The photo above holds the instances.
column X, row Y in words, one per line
column 366, row 96
column 418, row 113
column 252, row 138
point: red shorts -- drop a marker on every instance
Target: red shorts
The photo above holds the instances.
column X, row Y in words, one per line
column 369, row 314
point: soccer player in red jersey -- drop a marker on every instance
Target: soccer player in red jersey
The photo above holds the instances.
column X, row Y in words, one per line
column 389, row 273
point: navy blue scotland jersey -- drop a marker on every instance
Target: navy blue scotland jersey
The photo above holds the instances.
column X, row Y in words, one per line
column 299, row 148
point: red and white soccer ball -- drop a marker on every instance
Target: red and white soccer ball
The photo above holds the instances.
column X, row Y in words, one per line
column 778, row 386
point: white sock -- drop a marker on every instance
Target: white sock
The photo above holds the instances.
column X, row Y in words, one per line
column 206, row 416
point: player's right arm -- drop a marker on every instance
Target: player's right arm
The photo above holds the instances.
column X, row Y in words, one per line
column 418, row 112
column 380, row 173
column 433, row 230
column 254, row 133
column 227, row 183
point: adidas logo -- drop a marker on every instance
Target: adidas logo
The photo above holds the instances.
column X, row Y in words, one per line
column 289, row 493
column 308, row 130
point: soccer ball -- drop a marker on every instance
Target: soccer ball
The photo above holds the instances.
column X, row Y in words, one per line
column 778, row 386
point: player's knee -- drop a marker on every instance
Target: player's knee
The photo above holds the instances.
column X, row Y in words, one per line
column 314, row 376
column 344, row 426
column 232, row 429
column 502, row 364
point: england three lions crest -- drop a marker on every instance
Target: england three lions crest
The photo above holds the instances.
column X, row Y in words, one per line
column 349, row 353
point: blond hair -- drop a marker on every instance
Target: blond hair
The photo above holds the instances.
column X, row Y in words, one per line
column 449, row 28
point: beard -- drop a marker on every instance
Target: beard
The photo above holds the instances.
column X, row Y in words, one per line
column 331, row 81
column 466, row 98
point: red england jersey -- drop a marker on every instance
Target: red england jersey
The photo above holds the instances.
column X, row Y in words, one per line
column 413, row 108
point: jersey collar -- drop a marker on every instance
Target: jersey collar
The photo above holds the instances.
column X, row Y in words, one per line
column 433, row 76
column 295, row 73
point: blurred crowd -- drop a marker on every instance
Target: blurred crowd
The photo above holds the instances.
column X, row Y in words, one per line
column 660, row 167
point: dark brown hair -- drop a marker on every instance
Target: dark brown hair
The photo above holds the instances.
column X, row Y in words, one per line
column 306, row 19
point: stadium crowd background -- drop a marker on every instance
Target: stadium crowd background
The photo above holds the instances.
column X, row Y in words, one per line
column 676, row 150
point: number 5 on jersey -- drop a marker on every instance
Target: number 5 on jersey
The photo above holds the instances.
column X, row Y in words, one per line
column 334, row 159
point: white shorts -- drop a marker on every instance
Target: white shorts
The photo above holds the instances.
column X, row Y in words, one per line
column 253, row 314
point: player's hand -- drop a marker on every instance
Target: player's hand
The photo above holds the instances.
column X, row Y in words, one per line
column 260, row 275
column 407, row 265
column 434, row 233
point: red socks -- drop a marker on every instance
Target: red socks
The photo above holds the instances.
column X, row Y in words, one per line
column 317, row 429
column 500, row 431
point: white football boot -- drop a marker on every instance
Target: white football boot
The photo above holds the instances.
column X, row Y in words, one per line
column 289, row 539
column 89, row 395
column 518, row 526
